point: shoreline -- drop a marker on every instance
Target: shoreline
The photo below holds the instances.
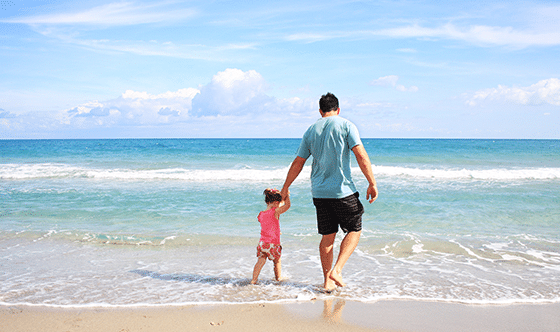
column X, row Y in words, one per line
column 334, row 314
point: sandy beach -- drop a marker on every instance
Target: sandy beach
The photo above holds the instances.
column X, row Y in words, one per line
column 327, row 315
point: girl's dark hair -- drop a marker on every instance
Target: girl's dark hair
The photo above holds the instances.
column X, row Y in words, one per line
column 272, row 195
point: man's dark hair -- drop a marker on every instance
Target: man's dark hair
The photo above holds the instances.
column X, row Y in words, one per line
column 328, row 103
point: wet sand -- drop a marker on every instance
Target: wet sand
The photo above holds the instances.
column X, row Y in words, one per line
column 327, row 315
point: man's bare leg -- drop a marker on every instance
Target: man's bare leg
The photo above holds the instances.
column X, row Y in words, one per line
column 347, row 247
column 326, row 251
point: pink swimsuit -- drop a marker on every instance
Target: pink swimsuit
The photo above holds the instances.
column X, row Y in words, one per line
column 269, row 244
column 270, row 226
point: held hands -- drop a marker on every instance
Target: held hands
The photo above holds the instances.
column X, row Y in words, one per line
column 285, row 193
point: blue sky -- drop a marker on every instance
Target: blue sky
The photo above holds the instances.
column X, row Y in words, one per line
column 407, row 69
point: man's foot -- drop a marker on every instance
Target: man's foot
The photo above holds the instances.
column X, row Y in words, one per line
column 336, row 278
column 329, row 285
column 327, row 291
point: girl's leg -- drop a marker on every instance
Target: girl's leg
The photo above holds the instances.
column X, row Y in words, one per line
column 278, row 269
column 258, row 268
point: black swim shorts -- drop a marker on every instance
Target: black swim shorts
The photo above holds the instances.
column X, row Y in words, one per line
column 332, row 212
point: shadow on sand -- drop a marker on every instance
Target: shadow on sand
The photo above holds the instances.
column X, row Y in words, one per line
column 211, row 280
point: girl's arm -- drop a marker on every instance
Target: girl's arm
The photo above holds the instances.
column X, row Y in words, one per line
column 283, row 208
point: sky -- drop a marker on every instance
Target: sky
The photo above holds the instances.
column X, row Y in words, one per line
column 256, row 69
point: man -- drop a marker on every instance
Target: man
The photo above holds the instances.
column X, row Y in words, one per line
column 329, row 141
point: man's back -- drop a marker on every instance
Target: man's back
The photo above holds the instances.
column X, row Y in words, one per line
column 329, row 141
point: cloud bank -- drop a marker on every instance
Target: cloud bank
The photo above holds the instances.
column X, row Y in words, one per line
column 236, row 103
column 543, row 92
column 233, row 99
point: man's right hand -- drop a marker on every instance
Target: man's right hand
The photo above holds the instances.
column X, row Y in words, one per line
column 372, row 193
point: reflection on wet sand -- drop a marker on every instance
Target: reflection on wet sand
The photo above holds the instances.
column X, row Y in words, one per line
column 332, row 310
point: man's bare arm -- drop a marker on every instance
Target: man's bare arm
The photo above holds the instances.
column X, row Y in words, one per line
column 295, row 169
column 365, row 165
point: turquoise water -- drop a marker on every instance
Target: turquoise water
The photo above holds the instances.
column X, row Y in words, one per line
column 152, row 222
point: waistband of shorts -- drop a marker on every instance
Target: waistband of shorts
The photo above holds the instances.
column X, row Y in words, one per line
column 356, row 194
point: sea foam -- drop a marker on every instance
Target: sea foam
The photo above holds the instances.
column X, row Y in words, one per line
column 54, row 171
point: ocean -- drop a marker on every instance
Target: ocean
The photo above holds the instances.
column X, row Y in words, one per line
column 149, row 222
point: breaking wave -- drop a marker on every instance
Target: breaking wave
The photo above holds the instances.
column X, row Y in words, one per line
column 54, row 171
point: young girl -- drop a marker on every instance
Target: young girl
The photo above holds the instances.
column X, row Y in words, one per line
column 269, row 244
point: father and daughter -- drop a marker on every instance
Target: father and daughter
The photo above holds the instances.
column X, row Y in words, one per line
column 329, row 140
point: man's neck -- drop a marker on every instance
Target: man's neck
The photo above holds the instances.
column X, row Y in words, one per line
column 331, row 113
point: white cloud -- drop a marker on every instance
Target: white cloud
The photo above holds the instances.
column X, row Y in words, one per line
column 234, row 103
column 313, row 37
column 391, row 81
column 112, row 14
column 165, row 111
column 232, row 91
column 404, row 89
column 187, row 93
column 481, row 35
column 68, row 27
column 131, row 108
column 543, row 92
column 5, row 114
column 231, row 94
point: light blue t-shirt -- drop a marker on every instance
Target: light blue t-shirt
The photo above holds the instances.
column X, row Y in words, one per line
column 329, row 141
